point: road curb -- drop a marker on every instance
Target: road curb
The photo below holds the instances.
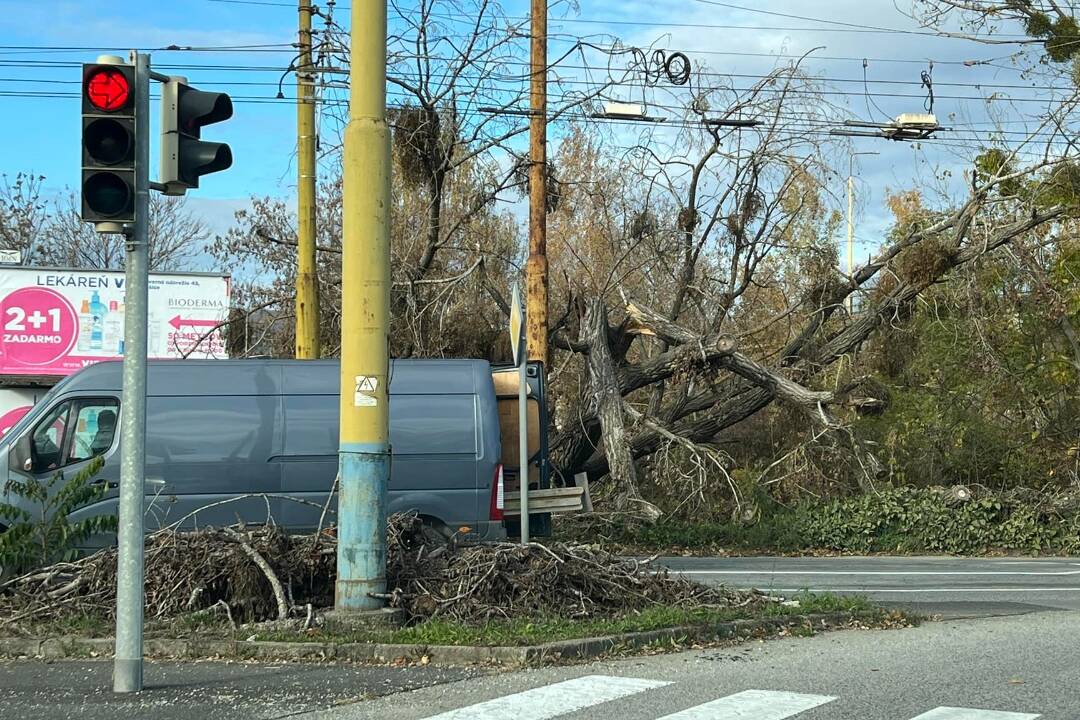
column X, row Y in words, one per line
column 69, row 648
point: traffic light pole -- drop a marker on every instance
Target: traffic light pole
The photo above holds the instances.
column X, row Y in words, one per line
column 128, row 664
column 364, row 459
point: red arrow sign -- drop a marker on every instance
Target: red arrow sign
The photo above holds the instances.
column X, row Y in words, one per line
column 177, row 321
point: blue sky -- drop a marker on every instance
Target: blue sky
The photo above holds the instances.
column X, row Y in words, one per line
column 262, row 136
column 740, row 37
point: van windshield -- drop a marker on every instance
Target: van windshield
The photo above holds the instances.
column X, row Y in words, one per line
column 18, row 428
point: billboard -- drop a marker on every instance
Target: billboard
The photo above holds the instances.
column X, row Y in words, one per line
column 56, row 321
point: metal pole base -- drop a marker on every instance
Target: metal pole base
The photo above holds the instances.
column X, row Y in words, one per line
column 127, row 675
column 361, row 561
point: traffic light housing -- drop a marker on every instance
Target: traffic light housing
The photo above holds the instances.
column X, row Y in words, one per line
column 185, row 156
column 108, row 142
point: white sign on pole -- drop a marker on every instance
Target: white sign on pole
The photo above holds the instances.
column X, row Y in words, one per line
column 517, row 325
column 517, row 344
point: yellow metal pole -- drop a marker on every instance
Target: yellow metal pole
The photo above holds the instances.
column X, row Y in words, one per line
column 307, row 288
column 536, row 269
column 364, row 460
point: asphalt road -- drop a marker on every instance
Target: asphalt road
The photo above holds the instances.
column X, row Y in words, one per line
column 1019, row 667
column 36, row 690
column 951, row 586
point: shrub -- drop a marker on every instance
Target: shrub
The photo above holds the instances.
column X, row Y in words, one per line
column 33, row 541
column 910, row 519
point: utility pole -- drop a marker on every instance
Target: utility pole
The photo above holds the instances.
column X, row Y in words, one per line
column 364, row 459
column 851, row 224
column 307, row 288
column 536, row 269
column 128, row 662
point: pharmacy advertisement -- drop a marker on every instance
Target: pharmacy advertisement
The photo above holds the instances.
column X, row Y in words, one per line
column 56, row 321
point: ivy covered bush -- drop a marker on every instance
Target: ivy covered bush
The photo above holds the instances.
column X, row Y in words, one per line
column 894, row 520
column 908, row 519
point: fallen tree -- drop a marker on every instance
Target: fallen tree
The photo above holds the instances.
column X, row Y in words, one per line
column 721, row 385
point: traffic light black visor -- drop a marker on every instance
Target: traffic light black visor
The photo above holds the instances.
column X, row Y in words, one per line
column 108, row 141
column 106, row 194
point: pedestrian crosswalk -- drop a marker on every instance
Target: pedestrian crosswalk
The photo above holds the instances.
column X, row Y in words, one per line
column 955, row 713
column 757, row 704
column 594, row 691
column 551, row 701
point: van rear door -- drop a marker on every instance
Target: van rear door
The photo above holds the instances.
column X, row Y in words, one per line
column 506, row 392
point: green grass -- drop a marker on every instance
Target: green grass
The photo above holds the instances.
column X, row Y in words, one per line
column 532, row 631
column 824, row 603
column 90, row 625
column 778, row 532
column 524, row 631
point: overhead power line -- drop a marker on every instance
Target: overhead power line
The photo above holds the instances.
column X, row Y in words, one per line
column 833, row 25
column 793, row 124
column 628, row 82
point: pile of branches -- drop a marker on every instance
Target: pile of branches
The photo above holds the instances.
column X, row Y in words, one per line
column 252, row 573
column 506, row 580
column 261, row 573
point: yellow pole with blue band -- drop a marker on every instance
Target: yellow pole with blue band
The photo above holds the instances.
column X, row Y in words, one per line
column 364, row 458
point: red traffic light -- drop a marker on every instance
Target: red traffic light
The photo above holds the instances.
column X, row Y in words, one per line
column 107, row 89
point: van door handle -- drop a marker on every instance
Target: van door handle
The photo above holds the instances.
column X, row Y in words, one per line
column 110, row 484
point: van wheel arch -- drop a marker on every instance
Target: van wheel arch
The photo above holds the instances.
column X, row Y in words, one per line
column 434, row 530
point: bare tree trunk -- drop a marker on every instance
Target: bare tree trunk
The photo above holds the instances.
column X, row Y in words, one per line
column 606, row 393
column 609, row 406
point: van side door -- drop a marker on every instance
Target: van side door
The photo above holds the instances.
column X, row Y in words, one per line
column 214, row 457
column 309, row 462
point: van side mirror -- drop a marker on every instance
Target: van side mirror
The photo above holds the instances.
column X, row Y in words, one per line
column 20, row 459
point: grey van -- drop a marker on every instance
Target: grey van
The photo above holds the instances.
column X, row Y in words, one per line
column 253, row 440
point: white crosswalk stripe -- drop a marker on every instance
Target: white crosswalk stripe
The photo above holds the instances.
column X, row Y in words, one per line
column 553, row 700
column 571, row 696
column 956, row 713
column 756, row 704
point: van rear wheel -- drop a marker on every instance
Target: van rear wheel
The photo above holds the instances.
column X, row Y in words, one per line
column 435, row 532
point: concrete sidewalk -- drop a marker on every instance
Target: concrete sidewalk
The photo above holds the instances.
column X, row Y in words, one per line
column 37, row 690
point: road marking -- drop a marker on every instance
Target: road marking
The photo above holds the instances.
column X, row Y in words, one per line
column 553, row 700
column 955, row 713
column 872, row 572
column 756, row 704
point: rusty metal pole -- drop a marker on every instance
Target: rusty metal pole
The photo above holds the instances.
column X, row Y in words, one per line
column 536, row 269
